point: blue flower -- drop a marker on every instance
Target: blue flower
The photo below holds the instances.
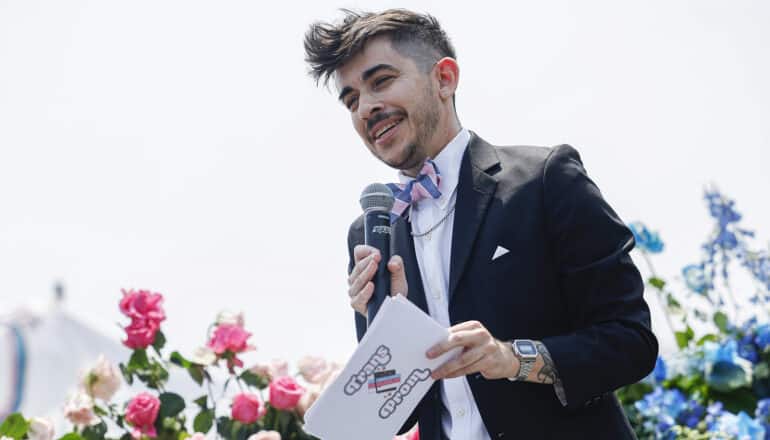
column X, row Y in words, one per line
column 763, row 409
column 747, row 349
column 646, row 240
column 659, row 373
column 762, row 339
column 741, row 426
column 696, row 278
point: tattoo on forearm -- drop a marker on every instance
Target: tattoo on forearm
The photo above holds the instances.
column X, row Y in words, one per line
column 548, row 374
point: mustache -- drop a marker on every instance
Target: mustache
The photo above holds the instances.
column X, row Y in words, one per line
column 379, row 117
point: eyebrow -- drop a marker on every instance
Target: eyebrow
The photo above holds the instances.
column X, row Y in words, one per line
column 368, row 73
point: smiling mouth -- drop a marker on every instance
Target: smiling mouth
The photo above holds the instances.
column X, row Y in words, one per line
column 384, row 130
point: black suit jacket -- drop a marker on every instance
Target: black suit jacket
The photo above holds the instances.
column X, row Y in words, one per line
column 567, row 281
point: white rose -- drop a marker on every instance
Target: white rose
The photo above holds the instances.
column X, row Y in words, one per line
column 227, row 317
column 102, row 380
column 203, row 356
column 312, row 368
column 79, row 409
column 266, row 435
column 40, row 429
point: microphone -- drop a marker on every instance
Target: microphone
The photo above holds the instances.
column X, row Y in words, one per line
column 376, row 201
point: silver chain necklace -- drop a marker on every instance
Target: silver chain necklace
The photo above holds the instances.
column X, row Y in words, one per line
column 443, row 219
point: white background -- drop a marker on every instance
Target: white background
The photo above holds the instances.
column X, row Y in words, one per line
column 179, row 146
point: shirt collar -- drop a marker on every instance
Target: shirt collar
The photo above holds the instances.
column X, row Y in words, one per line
column 448, row 162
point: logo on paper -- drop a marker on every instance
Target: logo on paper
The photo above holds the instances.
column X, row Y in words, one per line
column 416, row 376
column 384, row 381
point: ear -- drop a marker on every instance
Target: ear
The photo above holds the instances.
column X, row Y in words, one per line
column 447, row 72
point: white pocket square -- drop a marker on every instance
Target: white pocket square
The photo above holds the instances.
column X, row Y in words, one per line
column 499, row 252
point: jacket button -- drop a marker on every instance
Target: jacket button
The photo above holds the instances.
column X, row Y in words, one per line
column 500, row 434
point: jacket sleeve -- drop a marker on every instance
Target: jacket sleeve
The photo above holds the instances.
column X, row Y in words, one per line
column 611, row 343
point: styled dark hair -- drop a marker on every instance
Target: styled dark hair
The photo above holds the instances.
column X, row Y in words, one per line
column 417, row 36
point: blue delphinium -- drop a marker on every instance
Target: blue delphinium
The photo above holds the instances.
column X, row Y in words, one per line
column 662, row 407
column 646, row 240
column 695, row 278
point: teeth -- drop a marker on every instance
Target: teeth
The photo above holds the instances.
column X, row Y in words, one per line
column 384, row 129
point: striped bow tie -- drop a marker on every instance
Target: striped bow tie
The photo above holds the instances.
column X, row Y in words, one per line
column 425, row 185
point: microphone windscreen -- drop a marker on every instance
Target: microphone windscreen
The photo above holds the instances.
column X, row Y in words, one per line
column 376, row 196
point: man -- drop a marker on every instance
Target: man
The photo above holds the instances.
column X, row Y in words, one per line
column 518, row 255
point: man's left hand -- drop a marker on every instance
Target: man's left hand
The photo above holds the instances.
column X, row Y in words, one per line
column 481, row 353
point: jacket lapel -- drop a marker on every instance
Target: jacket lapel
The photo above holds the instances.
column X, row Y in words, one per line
column 475, row 189
column 402, row 244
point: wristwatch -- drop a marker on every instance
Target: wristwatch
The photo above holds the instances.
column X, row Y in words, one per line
column 526, row 352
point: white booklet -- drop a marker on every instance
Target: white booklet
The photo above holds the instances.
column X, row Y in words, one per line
column 384, row 380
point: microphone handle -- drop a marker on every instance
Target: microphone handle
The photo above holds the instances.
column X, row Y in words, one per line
column 377, row 235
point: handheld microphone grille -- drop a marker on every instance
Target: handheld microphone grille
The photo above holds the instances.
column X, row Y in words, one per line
column 376, row 196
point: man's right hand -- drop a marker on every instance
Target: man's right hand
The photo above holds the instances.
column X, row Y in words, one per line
column 360, row 280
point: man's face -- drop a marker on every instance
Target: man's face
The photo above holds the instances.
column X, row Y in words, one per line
column 393, row 105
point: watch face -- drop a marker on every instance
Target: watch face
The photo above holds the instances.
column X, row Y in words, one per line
column 526, row 348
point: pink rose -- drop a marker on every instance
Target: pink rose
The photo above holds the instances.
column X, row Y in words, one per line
column 278, row 368
column 141, row 413
column 247, row 408
column 229, row 340
column 79, row 409
column 142, row 304
column 311, row 368
column 140, row 333
column 265, row 435
column 285, row 393
column 144, row 309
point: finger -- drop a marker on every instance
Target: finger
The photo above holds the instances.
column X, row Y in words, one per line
column 472, row 368
column 363, row 250
column 362, row 265
column 398, row 282
column 360, row 301
column 458, row 338
column 363, row 277
column 461, row 363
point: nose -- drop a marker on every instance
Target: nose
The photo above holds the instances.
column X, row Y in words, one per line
column 368, row 106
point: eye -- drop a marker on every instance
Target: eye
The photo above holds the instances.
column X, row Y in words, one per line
column 382, row 80
column 351, row 103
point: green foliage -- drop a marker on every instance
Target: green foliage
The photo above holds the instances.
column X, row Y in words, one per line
column 656, row 282
column 683, row 338
column 254, row 380
column 631, row 393
column 15, row 426
column 171, row 404
column 726, row 376
column 196, row 371
column 720, row 319
column 74, row 436
column 159, row 342
column 204, row 421
column 95, row 432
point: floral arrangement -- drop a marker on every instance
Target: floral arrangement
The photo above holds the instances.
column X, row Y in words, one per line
column 158, row 413
column 718, row 384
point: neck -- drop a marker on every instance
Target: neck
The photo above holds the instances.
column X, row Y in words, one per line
column 442, row 137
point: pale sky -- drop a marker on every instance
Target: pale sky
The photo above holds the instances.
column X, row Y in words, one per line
column 180, row 146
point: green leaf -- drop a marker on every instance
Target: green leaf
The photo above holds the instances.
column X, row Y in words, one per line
column 14, row 426
column 683, row 338
column 127, row 374
column 72, row 436
column 741, row 399
column 171, row 404
column 99, row 411
column 202, row 402
column 709, row 337
column 203, row 421
column 196, row 373
column 178, row 359
column 656, row 283
column 138, row 360
column 720, row 319
column 95, row 432
column 224, row 425
column 254, row 380
column 159, row 341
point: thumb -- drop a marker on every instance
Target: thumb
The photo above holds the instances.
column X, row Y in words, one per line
column 397, row 276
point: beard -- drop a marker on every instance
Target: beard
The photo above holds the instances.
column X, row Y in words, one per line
column 425, row 119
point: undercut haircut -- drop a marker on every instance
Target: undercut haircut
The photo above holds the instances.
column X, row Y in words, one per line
column 419, row 37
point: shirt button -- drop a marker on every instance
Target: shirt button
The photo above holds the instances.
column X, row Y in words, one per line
column 460, row 412
column 436, row 294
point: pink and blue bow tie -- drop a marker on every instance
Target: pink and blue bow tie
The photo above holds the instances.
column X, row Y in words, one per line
column 424, row 186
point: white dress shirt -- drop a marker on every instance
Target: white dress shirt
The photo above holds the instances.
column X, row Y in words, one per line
column 460, row 418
